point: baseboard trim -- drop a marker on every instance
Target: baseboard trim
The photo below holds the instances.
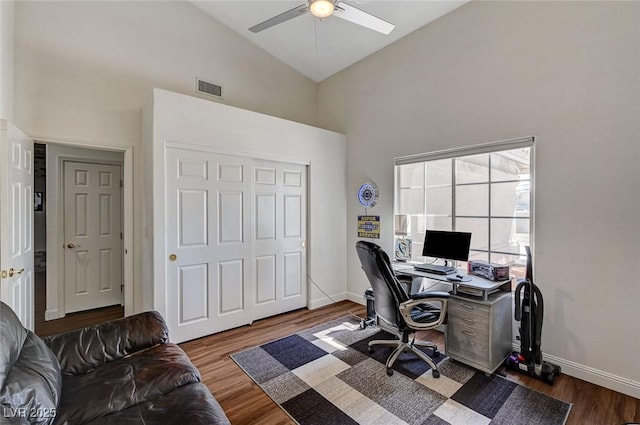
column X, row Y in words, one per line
column 321, row 302
column 356, row 298
column 51, row 314
column 594, row 376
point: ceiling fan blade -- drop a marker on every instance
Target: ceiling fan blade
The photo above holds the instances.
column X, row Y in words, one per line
column 360, row 17
column 289, row 14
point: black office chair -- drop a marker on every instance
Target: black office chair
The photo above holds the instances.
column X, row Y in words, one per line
column 396, row 312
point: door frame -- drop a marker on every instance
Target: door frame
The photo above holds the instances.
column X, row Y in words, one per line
column 55, row 235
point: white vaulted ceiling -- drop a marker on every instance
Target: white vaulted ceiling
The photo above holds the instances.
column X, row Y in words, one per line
column 318, row 48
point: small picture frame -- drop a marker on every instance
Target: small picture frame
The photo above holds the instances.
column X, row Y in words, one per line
column 38, row 201
column 402, row 249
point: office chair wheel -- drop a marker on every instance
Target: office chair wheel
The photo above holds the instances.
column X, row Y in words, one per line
column 435, row 373
column 389, row 371
column 370, row 349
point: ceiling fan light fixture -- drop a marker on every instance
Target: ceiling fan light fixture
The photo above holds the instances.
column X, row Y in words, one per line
column 321, row 8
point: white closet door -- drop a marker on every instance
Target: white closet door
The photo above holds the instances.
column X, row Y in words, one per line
column 208, row 243
column 236, row 231
column 279, row 253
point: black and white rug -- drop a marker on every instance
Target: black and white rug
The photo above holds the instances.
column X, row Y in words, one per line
column 325, row 375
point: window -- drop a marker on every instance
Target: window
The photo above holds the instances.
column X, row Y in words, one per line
column 484, row 189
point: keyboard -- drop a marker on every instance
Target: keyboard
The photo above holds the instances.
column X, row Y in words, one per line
column 435, row 269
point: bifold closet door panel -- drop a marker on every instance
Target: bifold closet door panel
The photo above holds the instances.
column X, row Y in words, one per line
column 208, row 242
column 279, row 244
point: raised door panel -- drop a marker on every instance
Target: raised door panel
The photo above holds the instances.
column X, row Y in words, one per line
column 193, row 212
column 265, row 275
column 230, row 286
column 230, row 217
column 194, row 297
column 265, row 216
column 292, row 216
column 292, row 274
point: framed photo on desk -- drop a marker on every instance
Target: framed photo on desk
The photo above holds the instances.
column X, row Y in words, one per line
column 402, row 251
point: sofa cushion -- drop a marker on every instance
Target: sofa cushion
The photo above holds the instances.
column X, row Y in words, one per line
column 123, row 383
column 190, row 404
column 31, row 383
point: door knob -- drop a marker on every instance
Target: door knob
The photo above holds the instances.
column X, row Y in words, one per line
column 13, row 271
column 72, row 245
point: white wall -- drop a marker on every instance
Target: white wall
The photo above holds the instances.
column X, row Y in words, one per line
column 189, row 120
column 6, row 59
column 84, row 70
column 565, row 72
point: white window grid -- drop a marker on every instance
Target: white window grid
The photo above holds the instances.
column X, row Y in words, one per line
column 454, row 155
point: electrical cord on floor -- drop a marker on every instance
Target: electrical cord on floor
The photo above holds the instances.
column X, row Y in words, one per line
column 329, row 296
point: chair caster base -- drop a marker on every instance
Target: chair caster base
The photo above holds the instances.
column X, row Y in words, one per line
column 435, row 374
column 389, row 372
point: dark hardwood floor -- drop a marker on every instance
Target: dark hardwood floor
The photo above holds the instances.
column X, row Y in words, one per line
column 246, row 404
column 70, row 321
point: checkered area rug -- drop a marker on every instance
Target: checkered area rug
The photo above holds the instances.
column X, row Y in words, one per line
column 325, row 375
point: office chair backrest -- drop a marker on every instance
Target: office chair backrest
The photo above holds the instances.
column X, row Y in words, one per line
column 387, row 290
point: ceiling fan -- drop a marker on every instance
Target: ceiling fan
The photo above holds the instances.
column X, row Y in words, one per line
column 324, row 9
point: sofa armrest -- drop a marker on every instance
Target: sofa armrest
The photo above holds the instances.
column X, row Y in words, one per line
column 83, row 350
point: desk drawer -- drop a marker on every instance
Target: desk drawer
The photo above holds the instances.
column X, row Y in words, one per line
column 479, row 331
column 470, row 341
column 469, row 309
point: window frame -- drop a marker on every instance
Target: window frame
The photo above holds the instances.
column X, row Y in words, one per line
column 455, row 153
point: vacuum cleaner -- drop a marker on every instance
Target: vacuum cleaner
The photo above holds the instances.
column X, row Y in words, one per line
column 529, row 311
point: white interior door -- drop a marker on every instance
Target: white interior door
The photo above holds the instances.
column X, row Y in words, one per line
column 279, row 253
column 16, row 222
column 208, row 243
column 93, row 235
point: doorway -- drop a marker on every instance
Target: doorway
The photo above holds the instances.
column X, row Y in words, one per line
column 53, row 207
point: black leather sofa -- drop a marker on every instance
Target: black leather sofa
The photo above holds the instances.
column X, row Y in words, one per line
column 119, row 372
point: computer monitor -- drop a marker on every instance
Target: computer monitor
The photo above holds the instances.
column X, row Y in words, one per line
column 446, row 245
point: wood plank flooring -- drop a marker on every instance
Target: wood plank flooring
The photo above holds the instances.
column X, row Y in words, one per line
column 246, row 404
column 70, row 321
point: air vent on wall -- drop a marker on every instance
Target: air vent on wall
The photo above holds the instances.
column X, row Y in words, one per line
column 208, row 88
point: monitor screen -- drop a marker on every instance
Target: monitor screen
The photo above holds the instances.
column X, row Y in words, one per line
column 446, row 245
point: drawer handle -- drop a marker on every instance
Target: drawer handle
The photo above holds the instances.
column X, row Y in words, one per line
column 468, row 333
column 473, row 322
column 468, row 307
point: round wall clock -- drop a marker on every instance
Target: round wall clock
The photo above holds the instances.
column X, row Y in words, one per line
column 368, row 194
